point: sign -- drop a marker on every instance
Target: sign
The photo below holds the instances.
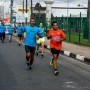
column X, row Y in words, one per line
column 20, row 10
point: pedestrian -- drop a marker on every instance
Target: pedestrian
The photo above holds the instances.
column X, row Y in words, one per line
column 2, row 32
column 56, row 37
column 41, row 40
column 19, row 33
column 30, row 42
column 10, row 31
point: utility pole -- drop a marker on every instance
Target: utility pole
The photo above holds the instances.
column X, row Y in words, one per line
column 31, row 9
column 39, row 9
column 11, row 6
column 23, row 6
column 26, row 12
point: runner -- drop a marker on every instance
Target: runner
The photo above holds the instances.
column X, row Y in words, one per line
column 10, row 30
column 56, row 37
column 23, row 26
column 41, row 40
column 19, row 33
column 30, row 42
column 2, row 31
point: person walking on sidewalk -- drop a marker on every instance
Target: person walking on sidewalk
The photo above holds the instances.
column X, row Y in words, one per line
column 30, row 42
column 2, row 31
column 56, row 37
column 10, row 31
column 41, row 40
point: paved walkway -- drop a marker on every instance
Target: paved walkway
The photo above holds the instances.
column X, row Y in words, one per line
column 76, row 49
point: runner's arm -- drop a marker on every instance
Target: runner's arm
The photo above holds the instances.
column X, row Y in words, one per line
column 63, row 36
column 48, row 36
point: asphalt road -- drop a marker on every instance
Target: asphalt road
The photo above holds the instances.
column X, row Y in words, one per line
column 74, row 75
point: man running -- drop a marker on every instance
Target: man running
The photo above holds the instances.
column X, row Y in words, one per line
column 23, row 26
column 30, row 42
column 10, row 30
column 19, row 33
column 56, row 37
column 41, row 40
column 2, row 31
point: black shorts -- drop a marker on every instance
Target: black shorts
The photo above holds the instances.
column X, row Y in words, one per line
column 10, row 34
column 2, row 35
column 54, row 51
column 20, row 36
column 30, row 49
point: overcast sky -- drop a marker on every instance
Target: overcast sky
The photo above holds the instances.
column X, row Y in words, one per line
column 57, row 3
column 19, row 2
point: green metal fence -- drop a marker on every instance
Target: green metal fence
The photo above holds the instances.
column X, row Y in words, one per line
column 76, row 28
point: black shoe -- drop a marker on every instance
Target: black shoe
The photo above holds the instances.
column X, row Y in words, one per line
column 10, row 41
column 2, row 41
column 56, row 72
column 27, row 66
column 42, row 55
column 30, row 68
column 19, row 44
column 36, row 53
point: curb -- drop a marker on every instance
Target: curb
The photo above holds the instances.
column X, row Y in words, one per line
column 72, row 55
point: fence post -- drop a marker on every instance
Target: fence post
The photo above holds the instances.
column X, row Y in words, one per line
column 69, row 28
column 62, row 22
column 80, row 29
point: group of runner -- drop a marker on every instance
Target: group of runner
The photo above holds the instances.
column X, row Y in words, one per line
column 34, row 36
column 55, row 35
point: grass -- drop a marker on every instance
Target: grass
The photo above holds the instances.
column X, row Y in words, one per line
column 74, row 38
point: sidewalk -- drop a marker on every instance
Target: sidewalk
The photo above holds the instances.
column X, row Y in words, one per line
column 81, row 53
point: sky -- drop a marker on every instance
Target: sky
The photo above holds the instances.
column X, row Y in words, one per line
column 57, row 3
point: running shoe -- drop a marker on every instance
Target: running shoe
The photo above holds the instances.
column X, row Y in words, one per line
column 27, row 66
column 42, row 55
column 56, row 72
column 19, row 44
column 30, row 68
column 51, row 63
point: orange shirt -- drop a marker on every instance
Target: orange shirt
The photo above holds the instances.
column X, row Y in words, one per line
column 55, row 38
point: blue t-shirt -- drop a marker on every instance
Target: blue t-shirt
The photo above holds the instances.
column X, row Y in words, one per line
column 31, row 32
column 41, row 30
column 23, row 27
column 19, row 29
column 10, row 29
column 2, row 29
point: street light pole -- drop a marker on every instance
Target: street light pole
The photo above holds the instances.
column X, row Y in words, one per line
column 23, row 6
column 31, row 9
column 11, row 11
column 39, row 9
column 26, row 12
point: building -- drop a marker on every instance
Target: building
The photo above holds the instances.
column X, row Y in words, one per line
column 39, row 12
column 1, row 12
